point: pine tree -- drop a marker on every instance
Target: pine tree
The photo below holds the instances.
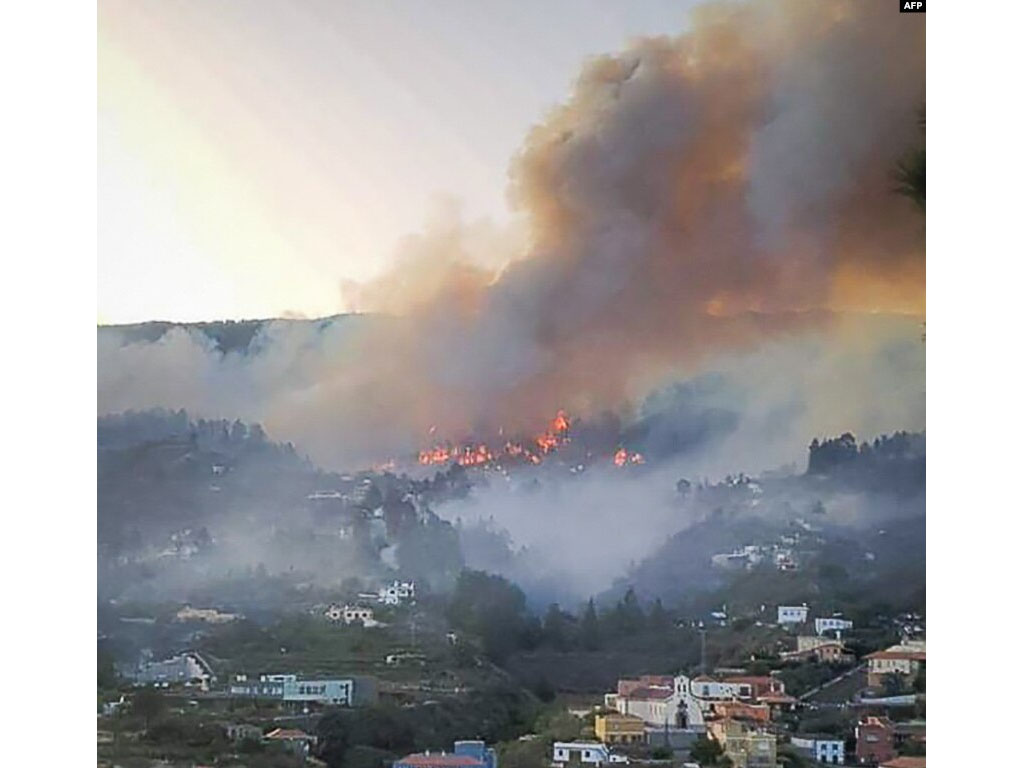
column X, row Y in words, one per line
column 590, row 627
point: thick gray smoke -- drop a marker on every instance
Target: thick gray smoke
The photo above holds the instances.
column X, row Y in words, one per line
column 719, row 201
column 757, row 413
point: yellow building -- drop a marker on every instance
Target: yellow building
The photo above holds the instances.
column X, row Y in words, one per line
column 619, row 729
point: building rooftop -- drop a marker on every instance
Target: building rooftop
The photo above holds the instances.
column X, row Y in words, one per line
column 882, row 722
column 649, row 694
column 777, row 698
column 288, row 734
column 764, row 680
column 897, row 654
column 440, row 760
column 904, row 762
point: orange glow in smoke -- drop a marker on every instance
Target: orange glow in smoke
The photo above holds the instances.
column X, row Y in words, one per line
column 623, row 457
column 476, row 455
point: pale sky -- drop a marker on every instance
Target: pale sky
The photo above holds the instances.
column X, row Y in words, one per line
column 254, row 154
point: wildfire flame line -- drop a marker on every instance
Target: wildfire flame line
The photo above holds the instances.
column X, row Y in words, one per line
column 480, row 454
column 473, row 455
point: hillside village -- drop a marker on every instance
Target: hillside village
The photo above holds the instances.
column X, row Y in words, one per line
column 867, row 708
column 769, row 630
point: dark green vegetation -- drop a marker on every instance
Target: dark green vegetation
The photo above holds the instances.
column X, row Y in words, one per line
column 193, row 512
column 366, row 737
column 708, row 752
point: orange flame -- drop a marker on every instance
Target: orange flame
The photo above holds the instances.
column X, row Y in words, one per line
column 557, row 433
column 560, row 423
column 623, row 457
column 470, row 455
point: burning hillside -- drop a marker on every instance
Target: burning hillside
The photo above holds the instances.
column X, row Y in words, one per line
column 694, row 198
column 520, row 452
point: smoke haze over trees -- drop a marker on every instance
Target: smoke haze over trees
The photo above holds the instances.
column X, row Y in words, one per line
column 709, row 267
column 695, row 198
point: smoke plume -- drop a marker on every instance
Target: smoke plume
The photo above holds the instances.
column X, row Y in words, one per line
column 694, row 197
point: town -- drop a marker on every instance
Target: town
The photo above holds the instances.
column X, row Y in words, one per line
column 813, row 691
column 514, row 385
column 775, row 626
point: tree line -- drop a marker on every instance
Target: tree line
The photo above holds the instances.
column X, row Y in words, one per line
column 494, row 609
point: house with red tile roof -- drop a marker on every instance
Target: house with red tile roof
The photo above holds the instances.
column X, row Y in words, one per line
column 876, row 740
column 655, row 705
column 466, row 754
column 903, row 762
column 905, row 659
column 760, row 685
column 437, row 760
column 627, row 685
column 741, row 710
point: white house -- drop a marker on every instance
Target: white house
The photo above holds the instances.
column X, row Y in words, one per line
column 185, row 668
column 903, row 659
column 655, row 706
column 746, row 557
column 209, row 615
column 322, row 691
column 351, row 614
column 585, row 752
column 824, row 749
column 710, row 689
column 334, row 613
column 354, row 613
column 264, row 686
column 397, row 592
column 792, row 614
column 832, row 624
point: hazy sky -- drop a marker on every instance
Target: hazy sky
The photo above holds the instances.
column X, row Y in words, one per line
column 254, row 154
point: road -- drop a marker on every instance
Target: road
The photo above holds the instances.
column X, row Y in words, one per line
column 839, row 690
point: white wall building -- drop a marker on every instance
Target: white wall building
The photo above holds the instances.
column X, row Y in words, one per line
column 715, row 690
column 586, row 752
column 320, row 691
column 185, row 668
column 655, row 708
column 792, row 614
column 264, row 686
column 824, row 749
column 209, row 615
column 351, row 614
column 357, row 613
column 903, row 659
column 689, row 708
column 832, row 624
column 745, row 557
column 397, row 592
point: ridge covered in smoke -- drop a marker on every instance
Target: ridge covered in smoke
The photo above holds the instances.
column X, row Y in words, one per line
column 717, row 201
